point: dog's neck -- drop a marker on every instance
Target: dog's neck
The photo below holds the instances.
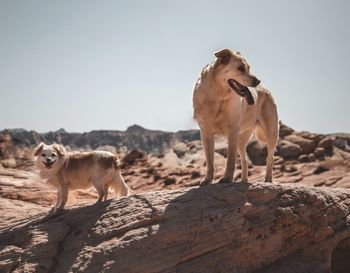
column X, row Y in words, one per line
column 207, row 84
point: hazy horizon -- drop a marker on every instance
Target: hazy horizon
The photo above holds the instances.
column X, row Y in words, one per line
column 88, row 65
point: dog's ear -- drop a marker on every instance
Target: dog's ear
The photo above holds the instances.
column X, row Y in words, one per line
column 223, row 55
column 38, row 149
column 59, row 149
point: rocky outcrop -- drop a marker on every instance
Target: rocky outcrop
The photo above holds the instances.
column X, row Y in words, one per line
column 297, row 146
column 238, row 227
column 157, row 160
column 135, row 137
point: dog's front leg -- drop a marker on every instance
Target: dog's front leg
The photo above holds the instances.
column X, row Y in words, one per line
column 63, row 197
column 59, row 198
column 208, row 145
column 231, row 158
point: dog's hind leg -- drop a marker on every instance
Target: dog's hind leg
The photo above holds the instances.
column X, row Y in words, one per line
column 208, row 145
column 242, row 146
column 100, row 189
column 268, row 123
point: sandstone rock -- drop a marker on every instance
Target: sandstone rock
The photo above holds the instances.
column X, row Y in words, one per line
column 194, row 146
column 221, row 148
column 28, row 187
column 135, row 137
column 341, row 144
column 180, row 149
column 9, row 163
column 303, row 158
column 327, row 144
column 171, row 159
column 311, row 136
column 320, row 169
column 107, row 148
column 285, row 130
column 278, row 160
column 319, row 152
column 288, row 150
column 14, row 210
column 132, row 157
column 311, row 157
column 237, row 227
column 257, row 152
column 307, row 146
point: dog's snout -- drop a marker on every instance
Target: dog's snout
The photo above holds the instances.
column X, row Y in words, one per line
column 256, row 82
column 48, row 160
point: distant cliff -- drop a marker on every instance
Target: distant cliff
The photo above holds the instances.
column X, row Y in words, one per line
column 135, row 137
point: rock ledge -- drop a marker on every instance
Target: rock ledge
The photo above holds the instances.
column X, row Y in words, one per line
column 239, row 227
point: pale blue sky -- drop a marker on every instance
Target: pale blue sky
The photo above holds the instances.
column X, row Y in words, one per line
column 85, row 65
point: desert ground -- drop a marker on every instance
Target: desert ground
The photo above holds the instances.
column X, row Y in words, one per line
column 167, row 164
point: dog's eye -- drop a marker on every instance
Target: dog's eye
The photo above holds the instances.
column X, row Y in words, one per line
column 43, row 155
column 241, row 68
column 53, row 155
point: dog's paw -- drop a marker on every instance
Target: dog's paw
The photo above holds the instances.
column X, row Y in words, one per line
column 55, row 210
column 205, row 182
column 225, row 180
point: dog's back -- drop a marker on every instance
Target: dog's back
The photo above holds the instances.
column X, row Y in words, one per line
column 80, row 169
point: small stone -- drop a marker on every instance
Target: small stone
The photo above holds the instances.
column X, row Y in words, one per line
column 307, row 145
column 320, row 169
column 288, row 150
column 303, row 158
column 327, row 144
column 195, row 174
column 311, row 157
column 169, row 181
column 285, row 130
column 180, row 149
column 319, row 152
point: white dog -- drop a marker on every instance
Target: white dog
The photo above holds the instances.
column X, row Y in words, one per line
column 69, row 171
column 224, row 105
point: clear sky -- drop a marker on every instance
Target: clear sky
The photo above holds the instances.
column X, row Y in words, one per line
column 85, row 65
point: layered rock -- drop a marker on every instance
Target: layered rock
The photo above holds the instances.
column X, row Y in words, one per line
column 135, row 137
column 236, row 227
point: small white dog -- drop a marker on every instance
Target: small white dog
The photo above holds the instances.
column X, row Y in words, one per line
column 69, row 171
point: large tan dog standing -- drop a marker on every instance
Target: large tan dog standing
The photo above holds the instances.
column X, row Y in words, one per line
column 224, row 105
column 69, row 171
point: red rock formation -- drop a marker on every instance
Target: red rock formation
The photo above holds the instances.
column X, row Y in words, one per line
column 237, row 227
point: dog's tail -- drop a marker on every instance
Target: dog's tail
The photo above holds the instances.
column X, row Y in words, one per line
column 259, row 133
column 118, row 184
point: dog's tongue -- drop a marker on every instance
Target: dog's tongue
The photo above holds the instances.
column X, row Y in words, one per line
column 248, row 96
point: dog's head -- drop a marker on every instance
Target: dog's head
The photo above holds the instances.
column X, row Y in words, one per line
column 49, row 157
column 233, row 71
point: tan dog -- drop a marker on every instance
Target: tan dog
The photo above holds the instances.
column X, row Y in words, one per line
column 69, row 171
column 224, row 105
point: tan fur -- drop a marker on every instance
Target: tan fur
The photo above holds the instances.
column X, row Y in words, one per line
column 221, row 111
column 80, row 170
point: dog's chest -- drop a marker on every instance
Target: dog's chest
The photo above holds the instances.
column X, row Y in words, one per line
column 219, row 117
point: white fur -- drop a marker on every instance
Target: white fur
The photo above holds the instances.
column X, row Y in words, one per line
column 69, row 171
